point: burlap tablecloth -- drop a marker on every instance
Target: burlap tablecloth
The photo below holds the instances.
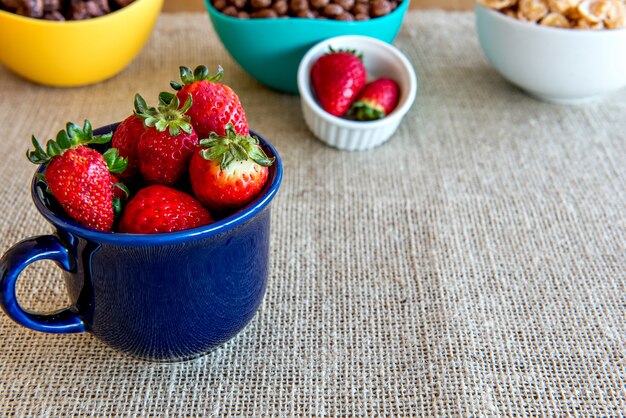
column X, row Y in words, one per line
column 474, row 265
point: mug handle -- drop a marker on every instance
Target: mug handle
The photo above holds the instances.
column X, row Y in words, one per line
column 13, row 262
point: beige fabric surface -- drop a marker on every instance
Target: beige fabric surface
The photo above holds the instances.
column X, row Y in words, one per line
column 474, row 265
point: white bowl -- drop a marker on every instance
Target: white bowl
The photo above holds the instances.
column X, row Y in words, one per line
column 553, row 64
column 381, row 60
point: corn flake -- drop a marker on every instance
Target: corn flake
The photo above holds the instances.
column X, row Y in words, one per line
column 497, row 4
column 556, row 20
column 532, row 10
column 562, row 7
column 578, row 14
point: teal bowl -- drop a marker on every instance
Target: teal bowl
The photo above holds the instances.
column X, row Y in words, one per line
column 270, row 50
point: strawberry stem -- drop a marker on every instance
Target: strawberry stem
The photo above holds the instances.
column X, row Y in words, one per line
column 364, row 112
column 123, row 188
column 201, row 73
column 166, row 97
column 117, row 207
column 115, row 163
column 233, row 147
column 72, row 137
column 169, row 114
column 354, row 52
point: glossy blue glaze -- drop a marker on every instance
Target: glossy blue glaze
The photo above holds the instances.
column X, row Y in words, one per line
column 47, row 247
column 164, row 297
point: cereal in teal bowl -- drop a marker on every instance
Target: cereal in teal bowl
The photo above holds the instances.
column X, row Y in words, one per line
column 270, row 49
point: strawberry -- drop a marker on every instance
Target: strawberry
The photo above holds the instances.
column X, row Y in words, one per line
column 77, row 176
column 164, row 149
column 337, row 78
column 227, row 172
column 214, row 104
column 125, row 139
column 376, row 100
column 159, row 208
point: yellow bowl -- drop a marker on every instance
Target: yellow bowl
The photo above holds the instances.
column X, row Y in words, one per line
column 75, row 53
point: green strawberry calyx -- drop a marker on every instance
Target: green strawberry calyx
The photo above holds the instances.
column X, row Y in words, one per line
column 168, row 115
column 201, row 73
column 123, row 188
column 117, row 201
column 365, row 110
column 354, row 52
column 233, row 147
column 115, row 162
column 72, row 137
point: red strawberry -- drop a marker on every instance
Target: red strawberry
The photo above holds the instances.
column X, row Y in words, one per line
column 337, row 79
column 214, row 104
column 227, row 172
column 125, row 139
column 78, row 176
column 160, row 208
column 376, row 100
column 166, row 146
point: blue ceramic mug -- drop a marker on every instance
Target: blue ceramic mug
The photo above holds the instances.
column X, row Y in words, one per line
column 161, row 297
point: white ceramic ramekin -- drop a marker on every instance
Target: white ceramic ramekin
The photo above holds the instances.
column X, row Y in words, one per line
column 381, row 60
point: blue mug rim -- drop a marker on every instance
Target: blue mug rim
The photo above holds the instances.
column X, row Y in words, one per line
column 232, row 221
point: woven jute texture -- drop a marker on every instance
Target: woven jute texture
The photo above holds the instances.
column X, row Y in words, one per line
column 474, row 265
